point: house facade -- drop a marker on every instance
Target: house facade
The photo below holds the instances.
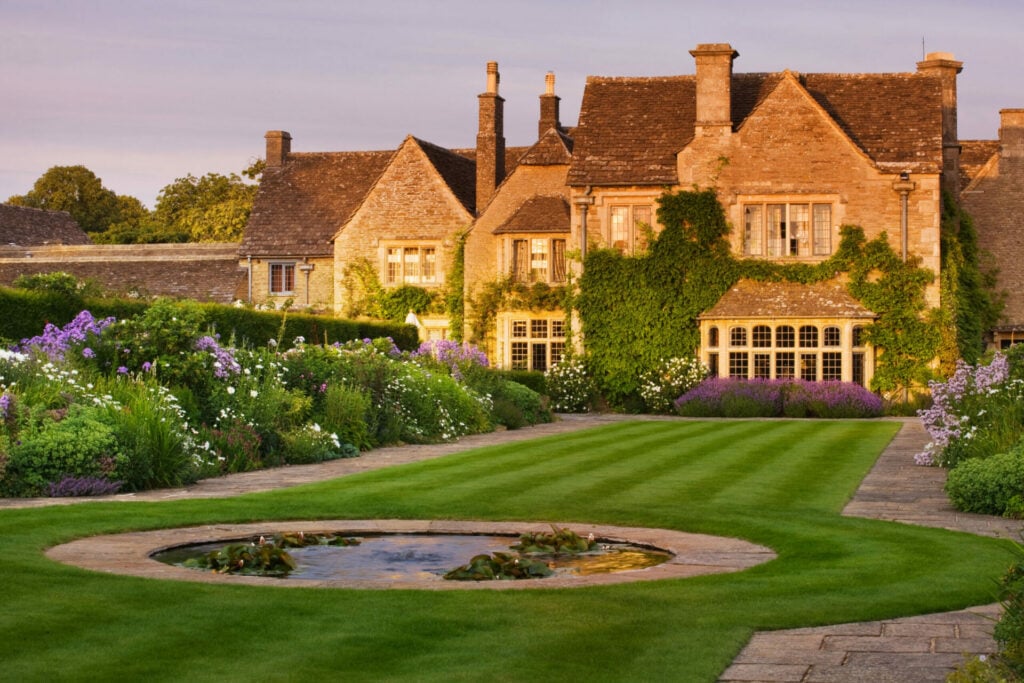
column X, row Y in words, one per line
column 792, row 157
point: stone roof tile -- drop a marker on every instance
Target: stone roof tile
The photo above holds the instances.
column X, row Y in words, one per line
column 631, row 129
column 538, row 214
column 300, row 205
column 767, row 300
column 27, row 227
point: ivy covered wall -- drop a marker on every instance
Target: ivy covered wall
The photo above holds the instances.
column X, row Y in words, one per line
column 637, row 310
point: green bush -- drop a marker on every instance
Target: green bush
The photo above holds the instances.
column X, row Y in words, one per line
column 345, row 411
column 433, row 407
column 79, row 445
column 515, row 405
column 152, row 434
column 312, row 444
column 991, row 486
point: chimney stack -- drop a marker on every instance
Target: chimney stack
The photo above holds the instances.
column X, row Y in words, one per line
column 941, row 65
column 279, row 146
column 1011, row 133
column 490, row 140
column 714, row 87
column 548, row 107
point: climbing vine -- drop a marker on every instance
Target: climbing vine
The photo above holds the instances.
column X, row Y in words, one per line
column 508, row 295
column 366, row 297
column 454, row 298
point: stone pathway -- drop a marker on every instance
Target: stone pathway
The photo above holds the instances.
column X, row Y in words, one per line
column 909, row 650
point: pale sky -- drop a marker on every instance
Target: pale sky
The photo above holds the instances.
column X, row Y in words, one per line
column 146, row 91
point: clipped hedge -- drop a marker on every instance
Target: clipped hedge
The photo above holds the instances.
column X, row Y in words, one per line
column 25, row 313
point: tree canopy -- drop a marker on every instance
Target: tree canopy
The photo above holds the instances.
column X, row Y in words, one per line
column 211, row 208
column 78, row 191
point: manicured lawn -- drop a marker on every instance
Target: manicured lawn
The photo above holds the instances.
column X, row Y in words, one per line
column 780, row 483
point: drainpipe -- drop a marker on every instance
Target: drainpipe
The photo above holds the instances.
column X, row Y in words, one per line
column 249, row 292
column 904, row 186
column 584, row 203
column 306, row 268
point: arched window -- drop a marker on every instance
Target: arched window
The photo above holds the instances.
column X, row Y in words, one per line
column 858, row 335
column 831, row 336
column 785, row 337
column 762, row 336
column 713, row 336
column 738, row 336
column 808, row 337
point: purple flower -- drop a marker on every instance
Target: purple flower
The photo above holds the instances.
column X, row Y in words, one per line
column 88, row 353
column 147, row 366
column 122, row 370
column 5, row 406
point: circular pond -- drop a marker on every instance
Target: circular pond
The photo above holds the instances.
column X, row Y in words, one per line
column 409, row 550
column 424, row 557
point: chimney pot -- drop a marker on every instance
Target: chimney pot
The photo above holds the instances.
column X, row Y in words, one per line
column 549, row 83
column 493, row 78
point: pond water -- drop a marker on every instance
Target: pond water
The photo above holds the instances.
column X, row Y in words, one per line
column 399, row 557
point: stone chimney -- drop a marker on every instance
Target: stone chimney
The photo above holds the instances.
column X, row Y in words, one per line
column 548, row 107
column 941, row 65
column 490, row 140
column 714, row 88
column 279, row 146
column 1011, row 133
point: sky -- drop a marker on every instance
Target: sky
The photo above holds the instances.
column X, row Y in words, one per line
column 146, row 91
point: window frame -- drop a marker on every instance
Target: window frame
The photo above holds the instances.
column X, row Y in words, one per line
column 287, row 272
column 632, row 215
column 787, row 226
column 398, row 268
column 524, row 252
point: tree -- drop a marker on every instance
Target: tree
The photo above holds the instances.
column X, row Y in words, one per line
column 213, row 208
column 78, row 191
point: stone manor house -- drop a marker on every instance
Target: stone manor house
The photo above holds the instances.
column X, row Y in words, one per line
column 792, row 157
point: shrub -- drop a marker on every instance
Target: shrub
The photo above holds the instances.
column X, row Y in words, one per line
column 991, row 486
column 153, row 435
column 234, row 446
column 79, row 445
column 311, row 444
column 344, row 413
column 515, row 405
column 673, row 377
column 569, row 386
column 433, row 407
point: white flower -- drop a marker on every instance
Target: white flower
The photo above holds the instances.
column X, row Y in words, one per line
column 253, row 393
column 231, row 390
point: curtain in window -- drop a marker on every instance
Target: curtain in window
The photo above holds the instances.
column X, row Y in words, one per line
column 521, row 260
column 558, row 260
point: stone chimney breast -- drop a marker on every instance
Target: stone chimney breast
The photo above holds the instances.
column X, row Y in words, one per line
column 714, row 87
column 1011, row 133
column 548, row 107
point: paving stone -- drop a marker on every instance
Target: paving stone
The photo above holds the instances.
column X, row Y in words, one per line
column 765, row 673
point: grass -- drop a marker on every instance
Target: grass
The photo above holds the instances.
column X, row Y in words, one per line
column 778, row 483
